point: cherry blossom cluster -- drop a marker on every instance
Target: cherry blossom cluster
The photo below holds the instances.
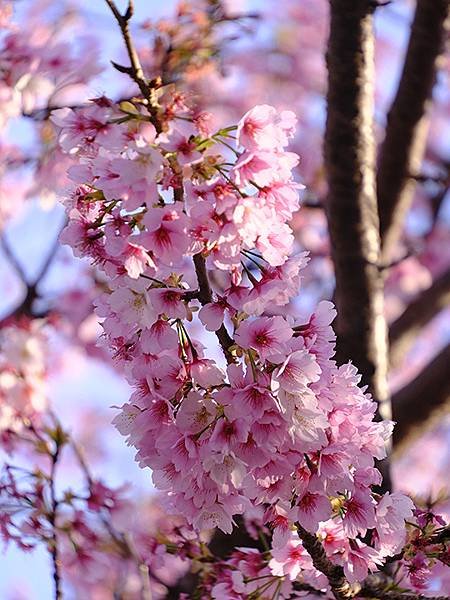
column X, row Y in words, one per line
column 114, row 550
column 92, row 530
column 189, row 227
column 90, row 527
column 23, row 369
column 426, row 554
column 188, row 224
column 37, row 65
column 246, row 574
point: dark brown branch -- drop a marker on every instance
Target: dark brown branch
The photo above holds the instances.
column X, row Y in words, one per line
column 204, row 296
column 415, row 404
column 436, row 202
column 351, row 205
column 204, row 292
column 405, row 329
column 374, row 586
column 376, row 593
column 53, row 542
column 148, row 88
column 424, row 178
column 12, row 259
column 403, row 148
column 305, row 587
column 441, row 536
column 26, row 306
column 341, row 588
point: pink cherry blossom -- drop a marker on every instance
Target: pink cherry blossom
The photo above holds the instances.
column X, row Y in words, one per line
column 266, row 335
column 290, row 559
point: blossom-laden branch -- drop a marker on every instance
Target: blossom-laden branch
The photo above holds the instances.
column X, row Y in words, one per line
column 341, row 588
column 407, row 123
column 284, row 437
column 205, row 297
column 212, row 439
column 72, row 525
column 378, row 586
column 145, row 208
column 284, row 434
column 122, row 540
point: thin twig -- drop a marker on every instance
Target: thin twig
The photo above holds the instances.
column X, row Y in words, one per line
column 54, row 552
column 381, row 594
column 13, row 259
column 135, row 70
column 50, row 257
column 122, row 540
column 26, row 306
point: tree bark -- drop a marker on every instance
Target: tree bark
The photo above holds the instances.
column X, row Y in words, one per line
column 405, row 329
column 421, row 399
column 351, row 203
column 404, row 144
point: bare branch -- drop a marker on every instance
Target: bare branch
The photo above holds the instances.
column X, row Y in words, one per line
column 135, row 71
column 403, row 148
column 53, row 542
column 421, row 399
column 420, row 311
column 32, row 294
column 13, row 259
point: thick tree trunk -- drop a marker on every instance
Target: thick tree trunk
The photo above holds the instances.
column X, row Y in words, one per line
column 351, row 204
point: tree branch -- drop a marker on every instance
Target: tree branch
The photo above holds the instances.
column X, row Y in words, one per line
column 204, row 296
column 374, row 586
column 351, row 204
column 53, row 542
column 123, row 541
column 26, row 306
column 379, row 594
column 341, row 588
column 404, row 144
column 421, row 398
column 135, row 71
column 419, row 312
column 13, row 259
